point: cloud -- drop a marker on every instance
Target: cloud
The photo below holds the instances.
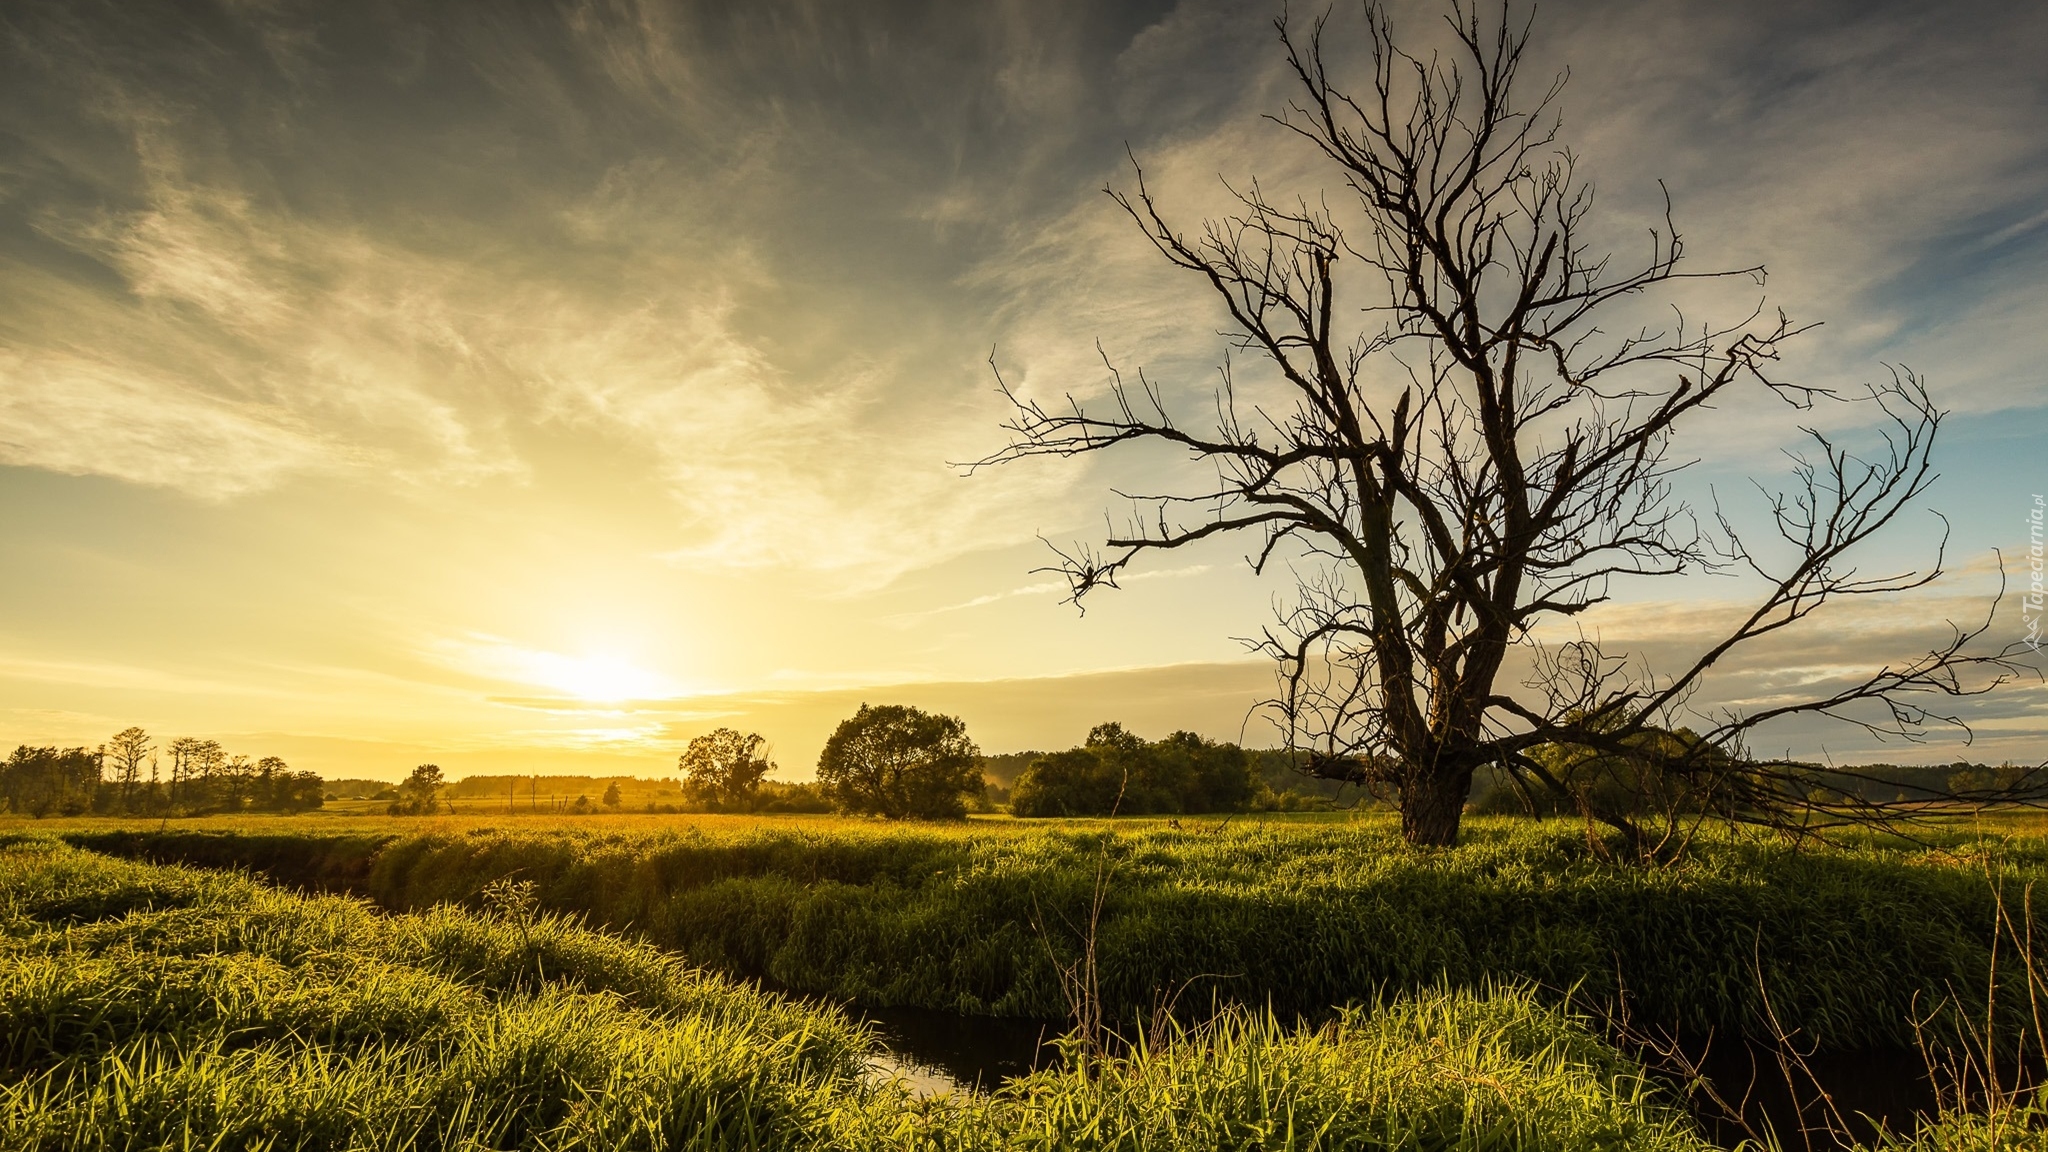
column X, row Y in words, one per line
column 242, row 347
column 193, row 326
column 1885, row 161
column 127, row 677
column 83, row 416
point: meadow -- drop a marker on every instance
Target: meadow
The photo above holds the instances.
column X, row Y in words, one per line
column 1329, row 987
column 1847, row 947
column 144, row 1006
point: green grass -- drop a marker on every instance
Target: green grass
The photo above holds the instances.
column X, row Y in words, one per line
column 1849, row 944
column 144, row 1006
column 1438, row 1070
column 147, row 1007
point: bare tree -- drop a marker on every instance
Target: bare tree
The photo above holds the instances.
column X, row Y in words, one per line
column 1465, row 454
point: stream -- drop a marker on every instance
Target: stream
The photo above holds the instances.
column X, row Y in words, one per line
column 938, row 1052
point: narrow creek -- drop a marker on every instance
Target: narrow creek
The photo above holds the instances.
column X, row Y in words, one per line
column 938, row 1052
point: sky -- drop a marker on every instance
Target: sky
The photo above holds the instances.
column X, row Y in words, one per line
column 533, row 386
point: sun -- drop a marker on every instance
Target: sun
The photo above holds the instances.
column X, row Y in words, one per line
column 600, row 678
column 593, row 674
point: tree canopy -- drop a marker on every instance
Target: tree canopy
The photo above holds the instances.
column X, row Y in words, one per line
column 724, row 768
column 420, row 793
column 898, row 761
column 1117, row 771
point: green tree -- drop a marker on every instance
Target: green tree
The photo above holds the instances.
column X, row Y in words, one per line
column 39, row 781
column 237, row 781
column 420, row 794
column 1117, row 771
column 612, row 796
column 1071, row 783
column 279, row 789
column 723, row 768
column 897, row 761
column 1210, row 776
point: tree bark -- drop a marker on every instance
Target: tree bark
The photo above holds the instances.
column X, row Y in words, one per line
column 1432, row 806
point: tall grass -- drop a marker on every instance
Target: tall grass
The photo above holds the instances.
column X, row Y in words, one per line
column 1441, row 1070
column 150, row 1007
column 156, row 1007
column 1438, row 1070
column 1850, row 945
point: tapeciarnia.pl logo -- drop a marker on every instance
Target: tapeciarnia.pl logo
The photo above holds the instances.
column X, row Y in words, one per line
column 2031, row 604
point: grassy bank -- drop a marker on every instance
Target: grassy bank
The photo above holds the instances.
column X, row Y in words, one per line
column 1848, row 944
column 146, row 1007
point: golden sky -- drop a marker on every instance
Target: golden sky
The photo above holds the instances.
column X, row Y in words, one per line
column 532, row 386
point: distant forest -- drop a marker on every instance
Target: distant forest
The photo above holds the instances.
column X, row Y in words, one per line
column 130, row 775
column 1113, row 770
column 575, row 794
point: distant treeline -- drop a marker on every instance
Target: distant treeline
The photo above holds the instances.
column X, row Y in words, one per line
column 356, row 788
column 539, row 792
column 1118, row 771
column 1625, row 786
column 131, row 775
column 1900, row 782
column 1114, row 770
column 583, row 794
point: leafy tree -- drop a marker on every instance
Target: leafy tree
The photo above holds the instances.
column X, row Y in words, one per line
column 723, row 768
column 420, row 794
column 897, row 761
column 1211, row 776
column 237, row 778
column 1119, row 771
column 1075, row 782
column 612, row 796
column 298, row 792
column 1448, row 421
column 39, row 781
column 279, row 789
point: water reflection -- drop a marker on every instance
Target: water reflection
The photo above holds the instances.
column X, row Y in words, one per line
column 920, row 1080
column 939, row 1052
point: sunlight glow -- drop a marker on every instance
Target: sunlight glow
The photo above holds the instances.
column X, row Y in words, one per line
column 595, row 676
column 604, row 678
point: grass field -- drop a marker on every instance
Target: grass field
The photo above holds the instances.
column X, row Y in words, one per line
column 149, row 1007
column 1845, row 947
